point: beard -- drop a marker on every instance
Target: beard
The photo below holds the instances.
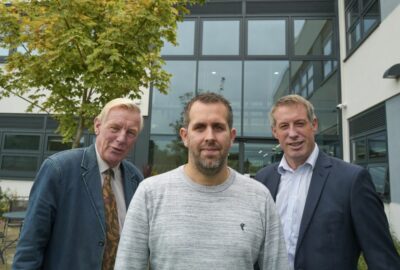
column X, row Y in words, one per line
column 209, row 166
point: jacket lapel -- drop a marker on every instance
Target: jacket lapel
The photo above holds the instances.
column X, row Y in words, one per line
column 130, row 180
column 92, row 183
column 274, row 181
column 318, row 180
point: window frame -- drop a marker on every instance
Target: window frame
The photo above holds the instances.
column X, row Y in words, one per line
column 362, row 11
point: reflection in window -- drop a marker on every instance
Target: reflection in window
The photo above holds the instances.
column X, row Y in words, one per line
column 303, row 79
column 225, row 78
column 166, row 153
column 371, row 17
column 185, row 40
column 352, row 13
column 355, row 35
column 167, row 109
column 309, row 35
column 379, row 178
column 330, row 65
column 221, row 37
column 370, row 151
column 266, row 37
column 307, row 77
column 361, row 18
column 19, row 163
column 264, row 83
column 55, row 143
column 377, row 146
column 233, row 157
column 358, row 150
column 256, row 156
column 21, row 142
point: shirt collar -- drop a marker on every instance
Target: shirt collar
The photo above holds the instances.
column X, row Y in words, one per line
column 311, row 160
column 103, row 166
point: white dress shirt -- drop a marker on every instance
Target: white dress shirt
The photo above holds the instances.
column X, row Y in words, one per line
column 117, row 187
column 291, row 199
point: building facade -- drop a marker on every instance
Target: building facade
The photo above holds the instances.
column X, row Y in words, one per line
column 369, row 47
column 334, row 53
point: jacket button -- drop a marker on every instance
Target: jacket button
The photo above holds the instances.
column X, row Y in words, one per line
column 101, row 243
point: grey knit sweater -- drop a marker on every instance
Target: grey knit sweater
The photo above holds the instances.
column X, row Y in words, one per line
column 174, row 223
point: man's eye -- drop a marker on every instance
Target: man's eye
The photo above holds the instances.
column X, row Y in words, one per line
column 219, row 128
column 132, row 134
column 198, row 127
column 283, row 126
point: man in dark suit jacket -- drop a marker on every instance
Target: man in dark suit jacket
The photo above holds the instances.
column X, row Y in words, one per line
column 65, row 225
column 329, row 209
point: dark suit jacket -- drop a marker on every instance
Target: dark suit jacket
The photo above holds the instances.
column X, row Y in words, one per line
column 65, row 227
column 343, row 216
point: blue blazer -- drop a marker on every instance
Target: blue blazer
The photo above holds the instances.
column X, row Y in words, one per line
column 65, row 227
column 343, row 216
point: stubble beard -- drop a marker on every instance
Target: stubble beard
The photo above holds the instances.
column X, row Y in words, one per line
column 210, row 167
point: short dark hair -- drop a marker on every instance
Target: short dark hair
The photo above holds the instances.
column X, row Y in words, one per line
column 208, row 98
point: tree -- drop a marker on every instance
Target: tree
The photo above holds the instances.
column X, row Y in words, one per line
column 72, row 56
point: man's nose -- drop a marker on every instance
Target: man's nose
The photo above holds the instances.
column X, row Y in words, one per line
column 209, row 136
column 292, row 131
column 121, row 137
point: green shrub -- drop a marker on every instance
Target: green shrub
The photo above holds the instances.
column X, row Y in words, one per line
column 5, row 197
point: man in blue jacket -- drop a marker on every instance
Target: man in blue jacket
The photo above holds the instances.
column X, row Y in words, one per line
column 329, row 209
column 67, row 222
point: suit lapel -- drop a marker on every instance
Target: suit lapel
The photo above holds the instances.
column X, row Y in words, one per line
column 318, row 180
column 130, row 181
column 92, row 183
column 274, row 181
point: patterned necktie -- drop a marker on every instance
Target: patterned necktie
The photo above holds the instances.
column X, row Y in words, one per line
column 112, row 224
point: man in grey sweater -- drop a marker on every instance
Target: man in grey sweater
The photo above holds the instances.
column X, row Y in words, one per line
column 202, row 215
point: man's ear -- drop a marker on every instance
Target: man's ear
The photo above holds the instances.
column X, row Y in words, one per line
column 273, row 129
column 183, row 134
column 97, row 124
column 315, row 125
column 233, row 135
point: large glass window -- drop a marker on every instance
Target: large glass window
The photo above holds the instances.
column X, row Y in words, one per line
column 377, row 146
column 55, row 143
column 221, row 37
column 21, row 142
column 233, row 157
column 266, row 37
column 308, row 80
column 225, row 78
column 167, row 109
column 257, row 156
column 252, row 64
column 19, row 163
column 309, row 35
column 264, row 83
column 370, row 151
column 380, row 177
column 358, row 150
column 185, row 40
column 166, row 153
column 362, row 17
